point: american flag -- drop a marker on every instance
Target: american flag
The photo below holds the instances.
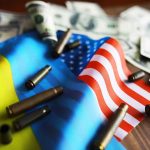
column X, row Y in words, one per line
column 104, row 70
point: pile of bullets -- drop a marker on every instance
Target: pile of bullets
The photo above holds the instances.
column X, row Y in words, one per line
column 30, row 103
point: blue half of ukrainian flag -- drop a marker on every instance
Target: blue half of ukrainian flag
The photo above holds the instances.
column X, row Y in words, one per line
column 75, row 115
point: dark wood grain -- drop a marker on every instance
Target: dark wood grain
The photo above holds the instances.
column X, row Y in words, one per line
column 138, row 139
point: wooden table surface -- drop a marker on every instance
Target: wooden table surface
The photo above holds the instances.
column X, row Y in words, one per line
column 138, row 139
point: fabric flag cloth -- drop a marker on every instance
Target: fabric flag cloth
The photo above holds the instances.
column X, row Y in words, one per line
column 106, row 74
column 82, row 109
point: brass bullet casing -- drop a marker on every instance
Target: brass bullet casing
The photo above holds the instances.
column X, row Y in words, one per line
column 147, row 110
column 5, row 134
column 27, row 104
column 112, row 125
column 72, row 45
column 136, row 76
column 148, row 81
column 61, row 43
column 31, row 117
column 31, row 83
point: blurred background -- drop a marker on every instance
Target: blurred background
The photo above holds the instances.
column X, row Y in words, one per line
column 18, row 5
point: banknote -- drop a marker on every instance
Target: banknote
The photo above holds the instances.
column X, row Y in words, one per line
column 137, row 60
column 83, row 22
column 86, row 8
column 134, row 27
column 86, row 15
column 12, row 18
column 7, row 32
column 137, row 13
column 133, row 55
column 8, row 18
column 128, row 27
column 61, row 15
column 127, row 45
column 105, row 25
column 145, row 46
column 12, row 24
column 133, row 23
column 96, row 25
column 41, row 15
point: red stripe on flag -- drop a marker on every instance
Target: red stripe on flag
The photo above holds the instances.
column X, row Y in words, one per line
column 118, row 47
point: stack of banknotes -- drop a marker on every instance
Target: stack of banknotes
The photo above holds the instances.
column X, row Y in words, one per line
column 131, row 27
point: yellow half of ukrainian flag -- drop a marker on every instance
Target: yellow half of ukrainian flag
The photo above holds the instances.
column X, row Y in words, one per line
column 21, row 140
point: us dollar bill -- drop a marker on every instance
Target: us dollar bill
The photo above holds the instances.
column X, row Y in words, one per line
column 85, row 7
column 7, row 32
column 145, row 46
column 92, row 18
column 138, row 14
column 61, row 16
column 41, row 15
column 106, row 25
column 13, row 24
column 137, row 60
column 18, row 19
column 134, row 24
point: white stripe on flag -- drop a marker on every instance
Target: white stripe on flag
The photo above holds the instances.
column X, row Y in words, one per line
column 131, row 120
column 120, row 133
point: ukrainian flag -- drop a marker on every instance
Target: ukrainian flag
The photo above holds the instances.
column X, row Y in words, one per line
column 75, row 116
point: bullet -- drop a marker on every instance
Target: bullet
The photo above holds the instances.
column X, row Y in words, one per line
column 147, row 110
column 61, row 43
column 31, row 83
column 27, row 104
column 30, row 118
column 73, row 45
column 136, row 76
column 148, row 81
column 111, row 126
column 5, row 134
